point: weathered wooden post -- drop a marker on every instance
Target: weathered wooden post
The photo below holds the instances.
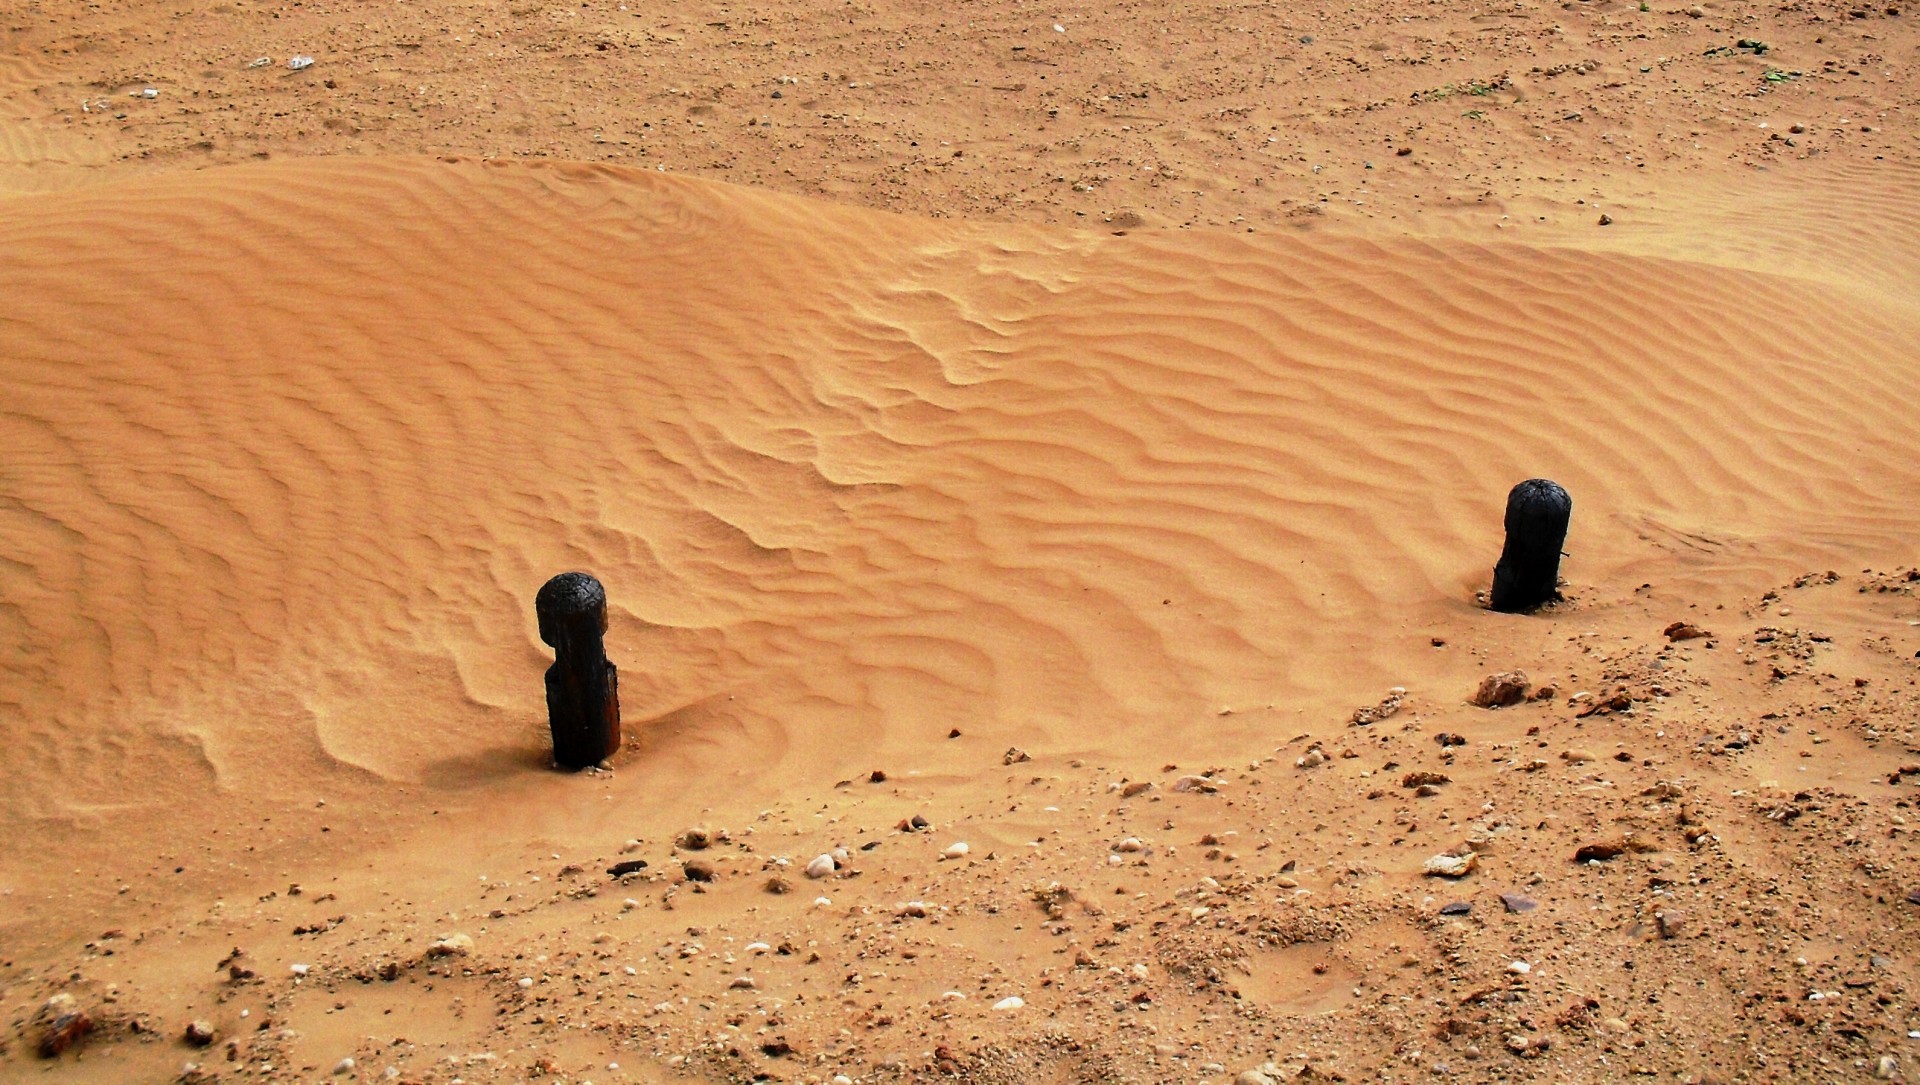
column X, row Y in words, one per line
column 583, row 688
column 1528, row 573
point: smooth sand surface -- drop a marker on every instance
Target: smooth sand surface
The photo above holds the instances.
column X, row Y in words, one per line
column 1079, row 534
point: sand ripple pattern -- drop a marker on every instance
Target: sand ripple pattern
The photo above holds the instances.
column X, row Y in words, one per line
column 290, row 447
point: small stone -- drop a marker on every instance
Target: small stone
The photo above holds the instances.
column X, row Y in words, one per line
column 199, row 1033
column 1684, row 631
column 778, row 885
column 914, row 909
column 1448, row 739
column 1203, row 784
column 627, row 866
column 698, row 870
column 1458, row 907
column 1519, row 968
column 1502, row 689
column 1450, row 866
column 1601, row 852
column 695, row 839
column 1011, row 1002
column 822, row 866
column 1696, row 12
column 1374, row 713
column 742, row 983
column 1515, row 903
column 1914, row 897
column 344, row 1066
column 630, row 847
column 64, row 1030
column 1130, row 845
column 1889, row 1066
column 452, row 945
column 1313, row 758
column 300, row 969
column 956, row 851
column 1423, row 779
column 1606, row 220
column 1577, row 757
column 1670, row 921
column 1136, row 788
column 1014, row 756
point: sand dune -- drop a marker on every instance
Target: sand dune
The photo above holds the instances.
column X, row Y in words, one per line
column 291, row 446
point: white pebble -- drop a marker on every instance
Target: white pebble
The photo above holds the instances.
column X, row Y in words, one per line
column 297, row 63
column 758, row 947
column 344, row 1066
column 822, row 866
column 1520, row 967
column 299, row 970
column 525, row 982
column 1011, row 1002
column 1130, row 844
column 955, row 851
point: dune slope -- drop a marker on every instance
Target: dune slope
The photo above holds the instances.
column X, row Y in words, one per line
column 292, row 446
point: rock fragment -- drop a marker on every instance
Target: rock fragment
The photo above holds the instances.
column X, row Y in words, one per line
column 1450, row 866
column 452, row 945
column 65, row 1025
column 1388, row 705
column 1502, row 689
column 199, row 1033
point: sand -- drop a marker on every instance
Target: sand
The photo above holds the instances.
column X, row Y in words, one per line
column 1054, row 425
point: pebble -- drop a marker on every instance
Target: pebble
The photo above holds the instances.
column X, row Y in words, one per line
column 344, row 1066
column 1889, row 1066
column 1451, row 866
column 743, row 983
column 1458, row 907
column 300, row 969
column 1130, row 845
column 1519, row 967
column 1502, row 689
column 452, row 945
column 955, row 851
column 299, row 63
column 822, row 866
column 698, row 870
column 66, row 1026
column 199, row 1033
column 526, row 982
column 1011, row 1002
column 1514, row 902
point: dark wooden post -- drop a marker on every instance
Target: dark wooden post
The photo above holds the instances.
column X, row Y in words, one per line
column 583, row 688
column 1529, row 570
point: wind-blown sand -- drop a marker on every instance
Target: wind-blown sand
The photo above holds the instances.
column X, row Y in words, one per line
column 1083, row 544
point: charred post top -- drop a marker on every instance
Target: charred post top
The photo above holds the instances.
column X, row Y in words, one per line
column 566, row 599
